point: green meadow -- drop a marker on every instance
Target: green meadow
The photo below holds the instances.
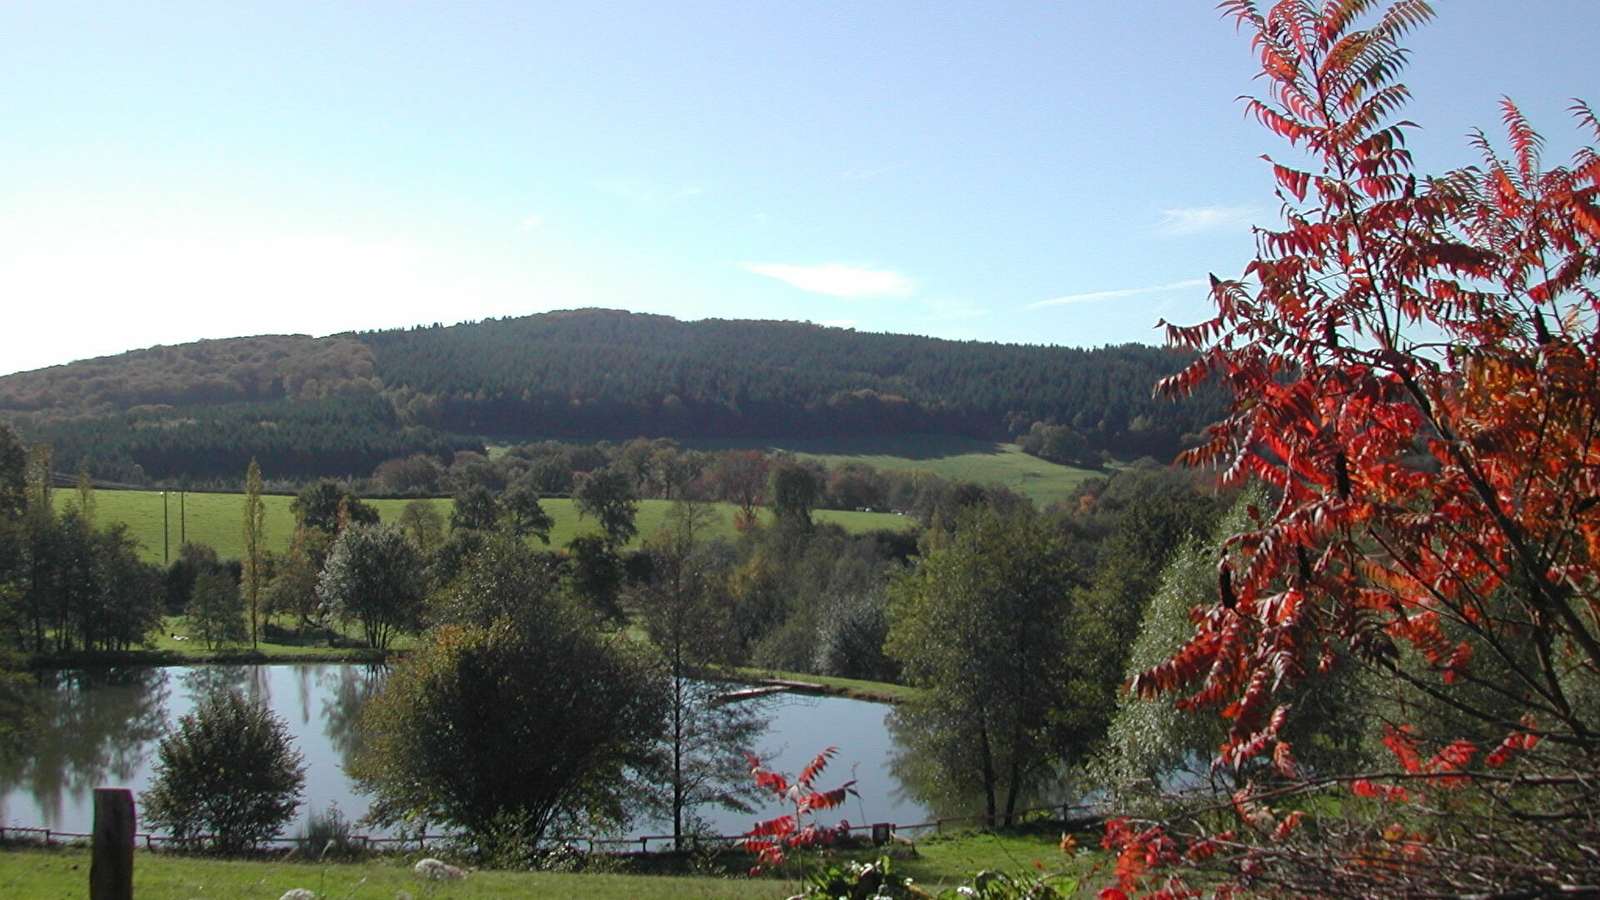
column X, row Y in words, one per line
column 944, row 455
column 218, row 519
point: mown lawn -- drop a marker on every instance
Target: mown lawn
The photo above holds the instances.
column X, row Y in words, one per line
column 218, row 519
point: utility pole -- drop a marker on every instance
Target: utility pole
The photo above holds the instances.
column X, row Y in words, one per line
column 166, row 529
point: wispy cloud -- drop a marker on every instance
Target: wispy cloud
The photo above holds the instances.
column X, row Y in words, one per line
column 838, row 323
column 1178, row 222
column 1096, row 296
column 838, row 280
column 529, row 223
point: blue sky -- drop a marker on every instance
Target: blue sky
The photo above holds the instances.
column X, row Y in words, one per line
column 1035, row 172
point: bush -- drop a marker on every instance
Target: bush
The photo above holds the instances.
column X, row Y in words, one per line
column 227, row 775
column 329, row 835
column 504, row 729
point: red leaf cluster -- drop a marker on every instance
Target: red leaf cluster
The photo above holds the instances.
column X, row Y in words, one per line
column 771, row 840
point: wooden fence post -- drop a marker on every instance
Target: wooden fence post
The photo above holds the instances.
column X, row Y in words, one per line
column 111, row 868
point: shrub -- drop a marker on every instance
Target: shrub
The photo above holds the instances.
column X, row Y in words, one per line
column 228, row 775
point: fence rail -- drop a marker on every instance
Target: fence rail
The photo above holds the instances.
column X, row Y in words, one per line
column 595, row 845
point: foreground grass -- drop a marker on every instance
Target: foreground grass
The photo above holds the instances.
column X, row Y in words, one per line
column 47, row 875
column 218, row 519
column 944, row 861
column 941, row 862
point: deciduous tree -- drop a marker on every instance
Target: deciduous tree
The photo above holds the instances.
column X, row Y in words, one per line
column 377, row 577
column 608, row 495
column 423, row 523
column 215, row 612
column 979, row 624
column 795, row 491
column 704, row 741
column 13, row 471
column 327, row 505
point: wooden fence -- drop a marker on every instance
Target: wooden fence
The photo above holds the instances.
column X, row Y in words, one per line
column 593, row 845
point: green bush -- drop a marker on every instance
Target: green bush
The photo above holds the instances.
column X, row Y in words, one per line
column 227, row 777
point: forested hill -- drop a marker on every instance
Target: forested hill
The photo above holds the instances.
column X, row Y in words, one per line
column 591, row 372
column 586, row 373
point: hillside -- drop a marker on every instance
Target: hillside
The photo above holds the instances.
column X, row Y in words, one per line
column 342, row 404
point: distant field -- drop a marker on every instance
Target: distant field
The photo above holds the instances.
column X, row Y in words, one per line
column 218, row 519
column 942, row 454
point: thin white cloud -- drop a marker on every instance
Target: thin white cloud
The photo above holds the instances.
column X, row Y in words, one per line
column 838, row 323
column 838, row 280
column 530, row 223
column 1096, row 296
column 1179, row 222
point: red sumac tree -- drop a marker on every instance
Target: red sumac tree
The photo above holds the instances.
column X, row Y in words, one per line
column 1413, row 366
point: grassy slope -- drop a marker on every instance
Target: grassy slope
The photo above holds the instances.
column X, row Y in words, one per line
column 218, row 519
column 943, row 455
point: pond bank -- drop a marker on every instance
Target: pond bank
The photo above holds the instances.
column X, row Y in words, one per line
column 107, row 659
column 278, row 654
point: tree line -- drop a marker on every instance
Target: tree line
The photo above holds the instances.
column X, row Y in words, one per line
column 299, row 440
column 66, row 583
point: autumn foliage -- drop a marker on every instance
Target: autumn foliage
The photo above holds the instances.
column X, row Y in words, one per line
column 1413, row 366
column 772, row 839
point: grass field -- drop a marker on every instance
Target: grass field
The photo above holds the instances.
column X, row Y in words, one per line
column 218, row 519
column 64, row 875
column 941, row 863
column 943, row 455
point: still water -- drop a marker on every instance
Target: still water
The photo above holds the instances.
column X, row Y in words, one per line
column 101, row 729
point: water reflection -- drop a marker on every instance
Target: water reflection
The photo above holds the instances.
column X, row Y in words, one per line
column 923, row 762
column 100, row 729
column 199, row 682
column 344, row 691
column 95, row 728
column 935, row 764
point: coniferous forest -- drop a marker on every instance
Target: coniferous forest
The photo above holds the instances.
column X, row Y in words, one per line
column 341, row 405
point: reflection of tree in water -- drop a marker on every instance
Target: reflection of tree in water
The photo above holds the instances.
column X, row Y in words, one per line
column 348, row 687
column 936, row 764
column 199, row 682
column 926, row 760
column 90, row 730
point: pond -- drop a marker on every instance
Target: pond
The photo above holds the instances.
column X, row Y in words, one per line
column 101, row 729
